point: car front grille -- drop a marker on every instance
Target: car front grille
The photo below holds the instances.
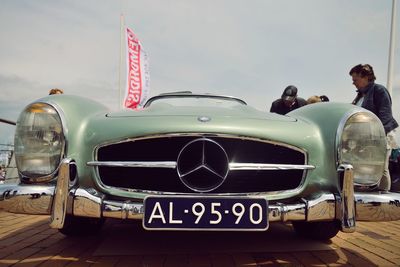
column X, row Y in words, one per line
column 169, row 148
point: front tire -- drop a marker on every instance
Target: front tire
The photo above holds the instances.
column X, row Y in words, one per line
column 317, row 230
column 77, row 226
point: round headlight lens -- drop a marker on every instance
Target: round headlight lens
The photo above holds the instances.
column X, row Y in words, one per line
column 363, row 145
column 39, row 142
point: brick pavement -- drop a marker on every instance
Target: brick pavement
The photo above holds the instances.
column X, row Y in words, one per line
column 27, row 240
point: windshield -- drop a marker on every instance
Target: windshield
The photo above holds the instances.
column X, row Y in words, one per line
column 196, row 100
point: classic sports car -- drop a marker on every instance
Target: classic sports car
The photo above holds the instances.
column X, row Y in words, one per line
column 200, row 162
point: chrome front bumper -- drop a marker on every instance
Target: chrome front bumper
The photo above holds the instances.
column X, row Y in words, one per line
column 59, row 200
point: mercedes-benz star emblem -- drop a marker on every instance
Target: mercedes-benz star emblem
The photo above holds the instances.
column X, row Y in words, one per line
column 204, row 119
column 202, row 165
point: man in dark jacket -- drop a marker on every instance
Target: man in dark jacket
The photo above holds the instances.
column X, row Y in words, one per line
column 375, row 98
column 288, row 102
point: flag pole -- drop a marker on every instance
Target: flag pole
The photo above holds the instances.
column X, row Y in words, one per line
column 121, row 37
column 391, row 48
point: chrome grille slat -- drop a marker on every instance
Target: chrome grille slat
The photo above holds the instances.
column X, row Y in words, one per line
column 266, row 166
column 172, row 165
column 134, row 164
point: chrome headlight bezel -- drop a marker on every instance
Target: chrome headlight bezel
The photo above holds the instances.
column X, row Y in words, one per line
column 352, row 149
column 47, row 109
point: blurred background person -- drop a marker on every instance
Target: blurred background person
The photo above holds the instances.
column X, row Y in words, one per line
column 313, row 99
column 316, row 99
column 289, row 101
column 324, row 98
column 56, row 91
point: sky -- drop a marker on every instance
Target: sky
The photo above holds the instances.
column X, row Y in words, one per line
column 248, row 49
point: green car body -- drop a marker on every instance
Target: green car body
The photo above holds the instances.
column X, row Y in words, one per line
column 329, row 196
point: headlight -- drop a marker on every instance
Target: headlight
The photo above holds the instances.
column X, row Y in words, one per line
column 362, row 143
column 39, row 142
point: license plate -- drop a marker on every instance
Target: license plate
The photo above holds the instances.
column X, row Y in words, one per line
column 205, row 213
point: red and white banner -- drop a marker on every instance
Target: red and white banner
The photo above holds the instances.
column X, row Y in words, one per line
column 138, row 74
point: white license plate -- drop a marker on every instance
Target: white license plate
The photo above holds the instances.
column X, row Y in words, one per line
column 205, row 213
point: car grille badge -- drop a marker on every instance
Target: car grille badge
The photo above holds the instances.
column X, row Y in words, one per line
column 202, row 165
column 204, row 119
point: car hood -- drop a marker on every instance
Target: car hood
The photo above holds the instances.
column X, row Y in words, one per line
column 239, row 112
column 101, row 128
